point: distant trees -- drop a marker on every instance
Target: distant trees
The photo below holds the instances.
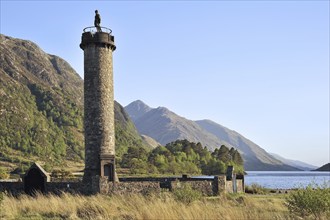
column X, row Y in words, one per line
column 182, row 156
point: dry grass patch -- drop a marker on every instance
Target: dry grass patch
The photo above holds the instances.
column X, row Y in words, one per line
column 155, row 206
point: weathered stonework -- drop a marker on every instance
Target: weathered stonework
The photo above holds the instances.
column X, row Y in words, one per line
column 240, row 185
column 219, row 185
column 229, row 186
column 98, row 109
column 203, row 186
column 144, row 185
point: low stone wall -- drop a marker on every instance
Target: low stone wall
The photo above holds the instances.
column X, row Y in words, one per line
column 14, row 188
column 205, row 187
column 208, row 186
column 136, row 187
column 59, row 187
column 17, row 188
column 145, row 185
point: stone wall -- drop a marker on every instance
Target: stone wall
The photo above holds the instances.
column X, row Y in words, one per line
column 137, row 187
column 205, row 187
column 59, row 187
column 208, row 186
column 14, row 188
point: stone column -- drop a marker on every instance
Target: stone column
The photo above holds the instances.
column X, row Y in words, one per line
column 219, row 185
column 98, row 106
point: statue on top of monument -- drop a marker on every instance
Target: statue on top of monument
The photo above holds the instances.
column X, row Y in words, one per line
column 97, row 21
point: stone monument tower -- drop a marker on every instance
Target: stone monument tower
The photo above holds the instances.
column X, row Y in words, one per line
column 98, row 45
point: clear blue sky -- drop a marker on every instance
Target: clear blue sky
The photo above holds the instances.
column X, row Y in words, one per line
column 258, row 67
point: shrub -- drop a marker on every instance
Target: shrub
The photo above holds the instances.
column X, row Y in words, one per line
column 256, row 189
column 186, row 194
column 313, row 200
column 61, row 175
column 3, row 174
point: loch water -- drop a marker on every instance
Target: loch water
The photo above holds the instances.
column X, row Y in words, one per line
column 287, row 179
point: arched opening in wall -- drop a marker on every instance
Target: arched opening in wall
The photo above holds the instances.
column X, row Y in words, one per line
column 34, row 181
column 109, row 171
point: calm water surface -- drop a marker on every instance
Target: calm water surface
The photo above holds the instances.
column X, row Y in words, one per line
column 287, row 179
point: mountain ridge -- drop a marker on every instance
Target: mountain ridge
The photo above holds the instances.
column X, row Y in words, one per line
column 165, row 126
column 325, row 167
column 295, row 163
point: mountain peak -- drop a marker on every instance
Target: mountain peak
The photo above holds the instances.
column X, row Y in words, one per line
column 139, row 103
column 136, row 109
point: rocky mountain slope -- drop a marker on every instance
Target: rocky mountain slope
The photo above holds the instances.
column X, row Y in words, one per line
column 150, row 141
column 165, row 126
column 41, row 109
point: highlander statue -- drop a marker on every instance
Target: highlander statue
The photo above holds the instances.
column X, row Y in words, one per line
column 97, row 21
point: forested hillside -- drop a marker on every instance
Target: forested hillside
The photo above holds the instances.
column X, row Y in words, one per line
column 41, row 110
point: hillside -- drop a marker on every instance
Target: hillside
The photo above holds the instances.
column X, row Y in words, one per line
column 325, row 167
column 41, row 110
column 295, row 163
column 255, row 157
column 150, row 141
column 165, row 126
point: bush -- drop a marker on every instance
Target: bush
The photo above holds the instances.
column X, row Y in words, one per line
column 3, row 174
column 186, row 194
column 313, row 200
column 256, row 189
column 61, row 175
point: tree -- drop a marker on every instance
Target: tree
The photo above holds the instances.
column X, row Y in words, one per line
column 138, row 166
column 133, row 153
column 236, row 157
